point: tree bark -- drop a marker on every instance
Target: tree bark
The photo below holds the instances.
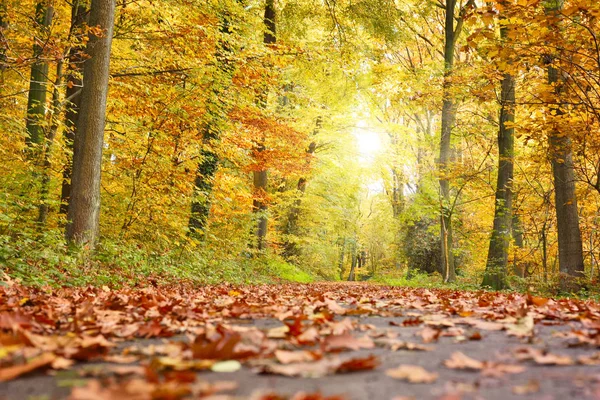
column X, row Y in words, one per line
column 84, row 205
column 3, row 44
column 497, row 261
column 216, row 113
column 44, row 208
column 291, row 226
column 261, row 176
column 36, row 101
column 451, row 33
column 570, row 249
column 79, row 16
column 341, row 259
column 448, row 119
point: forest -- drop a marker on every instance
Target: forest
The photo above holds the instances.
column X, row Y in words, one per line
column 395, row 141
column 299, row 199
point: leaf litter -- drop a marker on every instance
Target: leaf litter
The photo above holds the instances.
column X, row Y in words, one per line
column 157, row 342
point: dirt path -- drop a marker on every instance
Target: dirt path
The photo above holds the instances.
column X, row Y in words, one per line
column 353, row 341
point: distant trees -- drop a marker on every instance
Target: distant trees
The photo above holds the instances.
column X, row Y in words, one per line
column 231, row 128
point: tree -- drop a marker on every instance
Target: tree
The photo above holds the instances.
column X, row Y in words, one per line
column 570, row 250
column 215, row 118
column 76, row 58
column 3, row 26
column 36, row 101
column 290, row 249
column 260, row 176
column 497, row 260
column 451, row 33
column 84, row 205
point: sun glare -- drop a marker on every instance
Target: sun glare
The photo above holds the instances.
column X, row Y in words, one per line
column 368, row 143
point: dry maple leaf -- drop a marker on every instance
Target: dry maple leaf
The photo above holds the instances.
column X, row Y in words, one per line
column 315, row 369
column 289, row 357
column 43, row 360
column 359, row 364
column 412, row 374
column 429, row 334
column 541, row 357
column 347, row 342
column 459, row 360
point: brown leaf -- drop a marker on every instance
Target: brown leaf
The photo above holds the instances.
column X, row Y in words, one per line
column 541, row 357
column 459, row 360
column 359, row 364
column 347, row 342
column 429, row 334
column 43, row 360
column 532, row 386
column 288, row 357
column 316, row 369
column 334, row 307
column 309, row 336
column 412, row 374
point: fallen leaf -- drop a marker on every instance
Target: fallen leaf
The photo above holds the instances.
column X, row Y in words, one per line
column 429, row 334
column 459, row 360
column 288, row 357
column 226, row 366
column 315, row 369
column 412, row 374
column 523, row 328
column 43, row 360
column 532, row 386
column 347, row 342
column 359, row 364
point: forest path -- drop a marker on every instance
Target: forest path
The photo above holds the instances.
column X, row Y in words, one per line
column 355, row 341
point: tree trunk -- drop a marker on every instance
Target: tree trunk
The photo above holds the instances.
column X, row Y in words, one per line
column 341, row 259
column 497, row 261
column 216, row 113
column 517, row 235
column 351, row 276
column 291, row 226
column 44, row 208
column 84, row 205
column 79, row 16
column 3, row 43
column 261, row 176
column 451, row 33
column 36, row 101
column 570, row 249
column 448, row 118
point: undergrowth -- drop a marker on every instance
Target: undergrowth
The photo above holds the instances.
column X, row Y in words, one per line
column 48, row 261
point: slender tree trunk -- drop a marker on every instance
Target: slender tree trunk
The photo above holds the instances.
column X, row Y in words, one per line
column 291, row 226
column 517, row 235
column 570, row 249
column 76, row 57
column 341, row 259
column 261, row 176
column 84, row 205
column 217, row 109
column 351, row 276
column 3, row 44
column 448, row 119
column 36, row 102
column 54, row 115
column 497, row 260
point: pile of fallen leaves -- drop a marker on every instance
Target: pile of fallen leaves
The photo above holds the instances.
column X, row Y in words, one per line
column 307, row 331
